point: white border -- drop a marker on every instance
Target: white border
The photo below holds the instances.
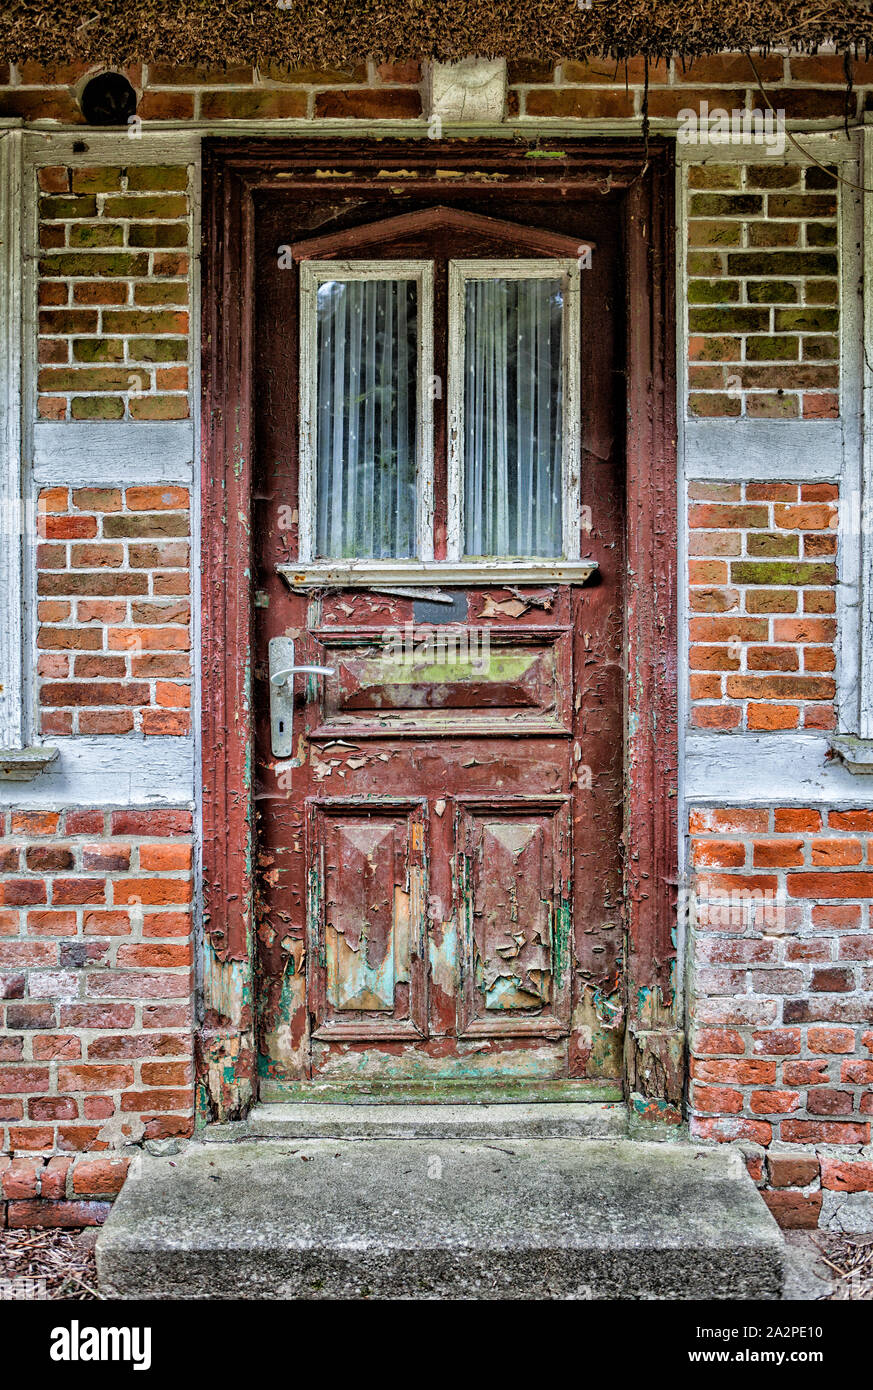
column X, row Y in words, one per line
column 540, row 269
column 313, row 274
column 865, row 662
column 13, row 514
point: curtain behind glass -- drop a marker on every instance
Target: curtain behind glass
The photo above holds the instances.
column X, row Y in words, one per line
column 513, row 441
column 367, row 404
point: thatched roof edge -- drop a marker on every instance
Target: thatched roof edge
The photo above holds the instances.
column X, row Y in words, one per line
column 334, row 33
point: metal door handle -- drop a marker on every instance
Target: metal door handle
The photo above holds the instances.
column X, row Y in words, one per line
column 282, row 673
column 281, row 677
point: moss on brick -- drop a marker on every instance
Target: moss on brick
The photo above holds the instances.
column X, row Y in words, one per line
column 772, row 292
column 807, row 320
column 156, row 178
column 729, row 320
column 781, row 572
column 782, row 263
column 713, row 291
column 725, row 205
column 94, row 264
column 98, row 408
column 767, row 543
column 772, row 349
column 85, row 234
column 53, row 209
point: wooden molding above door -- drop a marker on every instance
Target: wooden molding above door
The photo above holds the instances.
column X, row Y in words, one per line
column 238, row 176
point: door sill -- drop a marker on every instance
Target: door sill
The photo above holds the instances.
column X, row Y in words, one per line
column 433, row 1092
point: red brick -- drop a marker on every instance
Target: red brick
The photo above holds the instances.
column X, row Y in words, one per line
column 849, row 1175
column 78, row 890
column 718, row 1040
column 850, row 820
column 57, row 1214
column 788, row 818
column 776, row 1042
column 824, row 1132
column 794, row 1210
column 792, row 1170
column 103, row 1177
column 94, row 1078
column 159, row 823
column 731, row 1129
column 727, row 821
column 157, row 891
column 20, row 1179
column 93, row 1015
column 742, row 1073
column 826, row 1100
column 773, row 854
column 773, row 1102
column 804, row 1073
column 824, row 885
column 725, row 854
column 159, row 1100
column 718, row 1100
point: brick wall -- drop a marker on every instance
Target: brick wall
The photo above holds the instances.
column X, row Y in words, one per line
column 114, row 611
column 113, row 292
column 95, row 995
column 762, row 602
column 804, row 86
column 782, row 999
column 95, row 985
column 763, row 291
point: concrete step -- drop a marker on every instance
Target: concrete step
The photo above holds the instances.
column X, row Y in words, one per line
column 395, row 1121
column 441, row 1219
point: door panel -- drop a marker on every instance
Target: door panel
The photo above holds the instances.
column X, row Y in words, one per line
column 440, row 876
column 367, row 899
column 423, row 680
column 513, row 905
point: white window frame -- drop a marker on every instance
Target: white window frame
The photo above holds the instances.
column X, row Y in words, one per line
column 460, row 272
column 409, row 576
column 313, row 274
column 12, row 517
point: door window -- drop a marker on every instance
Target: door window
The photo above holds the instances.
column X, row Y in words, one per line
column 513, row 328
column 506, row 403
column 365, row 426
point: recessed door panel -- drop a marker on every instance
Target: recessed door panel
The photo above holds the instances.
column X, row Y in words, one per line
column 514, row 907
column 367, row 898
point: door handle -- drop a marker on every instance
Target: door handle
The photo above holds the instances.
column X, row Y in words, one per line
column 282, row 673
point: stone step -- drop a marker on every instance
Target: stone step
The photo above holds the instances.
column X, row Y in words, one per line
column 441, row 1219
column 313, row 1120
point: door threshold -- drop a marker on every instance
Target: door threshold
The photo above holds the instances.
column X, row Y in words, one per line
column 466, row 1091
column 402, row 1120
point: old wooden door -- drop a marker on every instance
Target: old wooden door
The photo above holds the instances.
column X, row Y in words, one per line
column 439, row 813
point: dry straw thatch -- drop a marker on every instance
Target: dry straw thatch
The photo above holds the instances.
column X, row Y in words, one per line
column 336, row 33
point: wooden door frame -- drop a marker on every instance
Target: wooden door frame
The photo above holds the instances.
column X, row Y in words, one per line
column 234, row 172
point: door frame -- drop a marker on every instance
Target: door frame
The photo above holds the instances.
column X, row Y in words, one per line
column 234, row 172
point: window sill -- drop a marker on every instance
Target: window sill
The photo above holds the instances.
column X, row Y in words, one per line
column 24, row 764
column 856, row 753
column 417, row 574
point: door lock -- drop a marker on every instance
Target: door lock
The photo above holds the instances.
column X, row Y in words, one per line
column 282, row 673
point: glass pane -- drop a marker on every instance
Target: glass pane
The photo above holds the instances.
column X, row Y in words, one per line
column 513, row 440
column 366, row 425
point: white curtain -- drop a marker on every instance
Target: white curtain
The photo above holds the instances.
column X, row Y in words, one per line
column 366, row 424
column 513, row 417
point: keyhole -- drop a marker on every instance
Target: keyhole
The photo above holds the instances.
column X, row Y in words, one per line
column 281, row 726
